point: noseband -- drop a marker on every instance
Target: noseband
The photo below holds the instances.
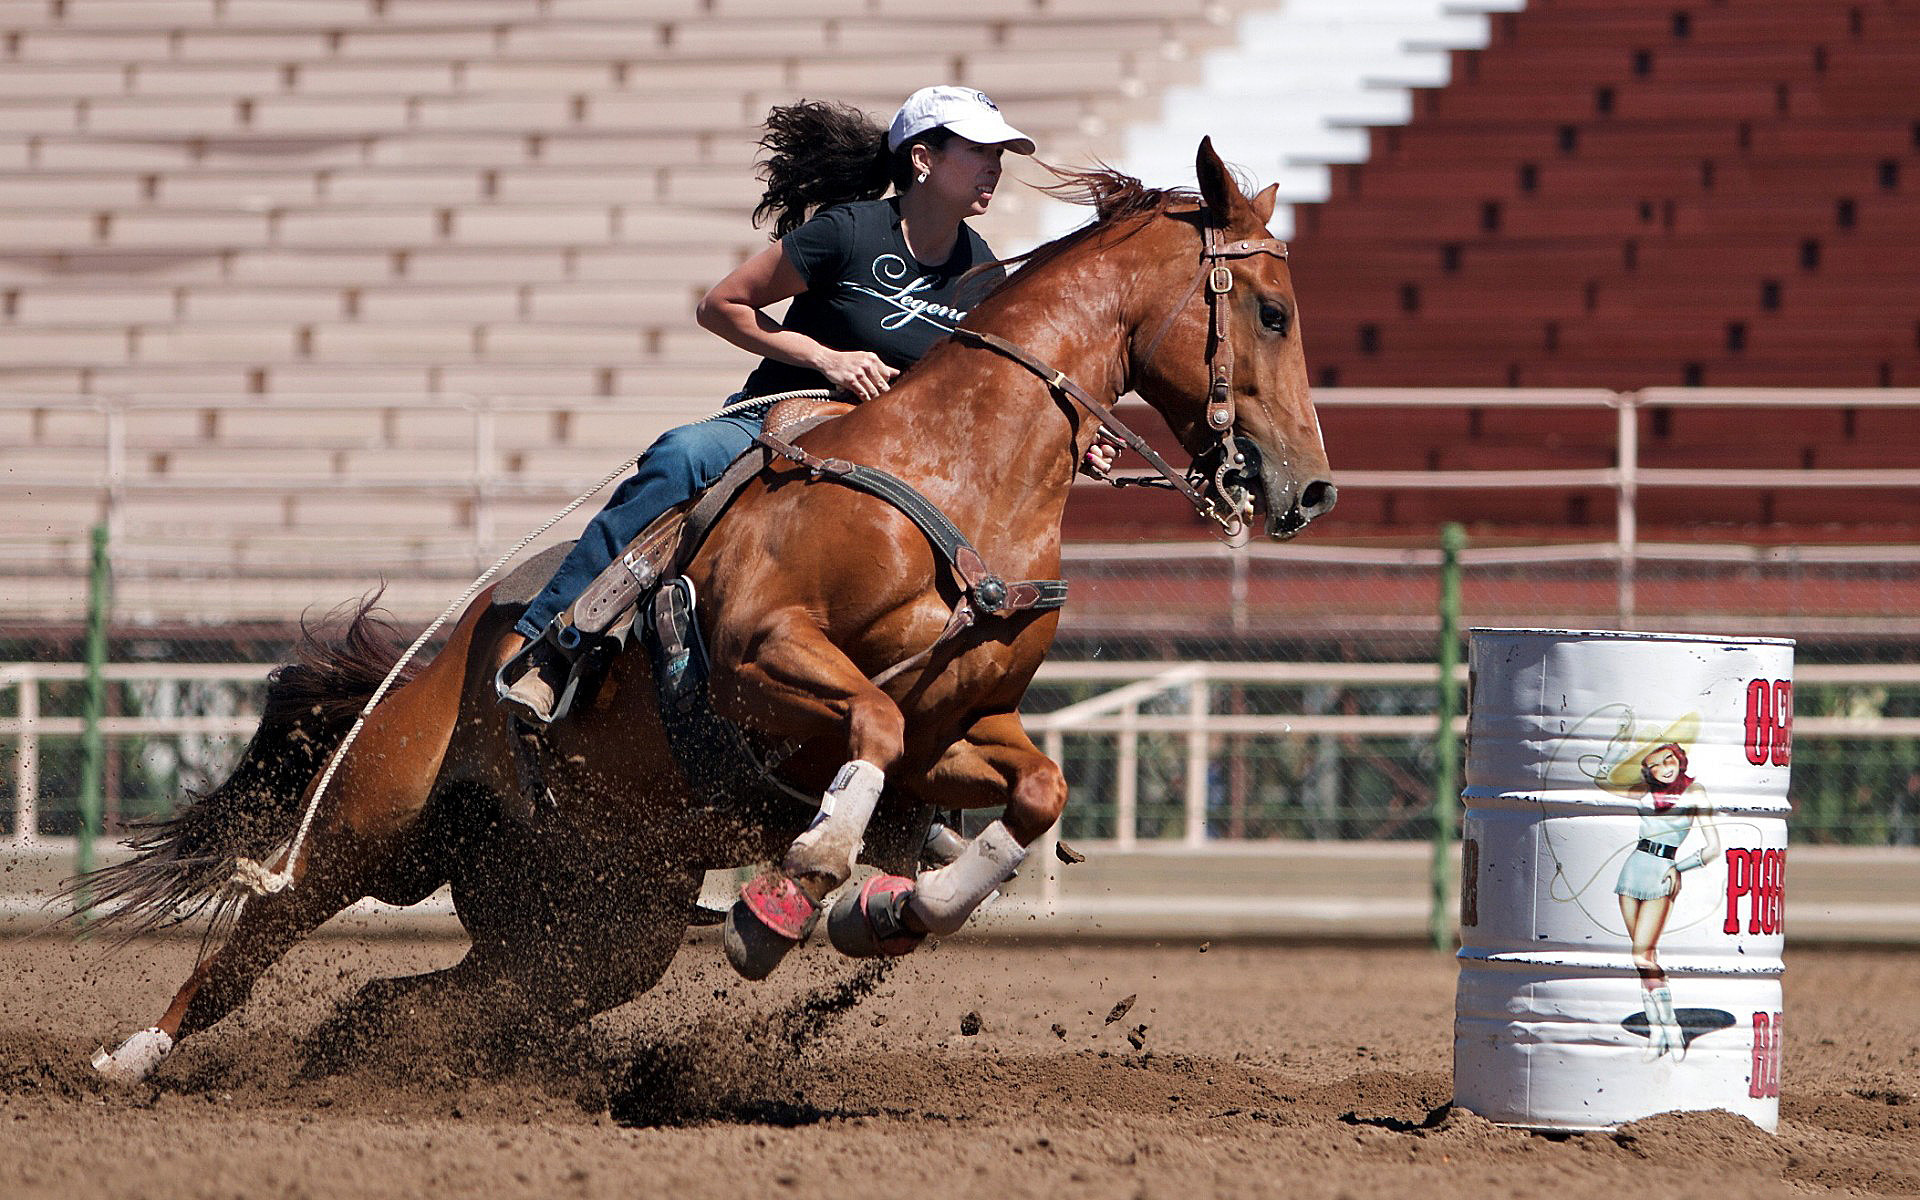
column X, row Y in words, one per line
column 1218, row 278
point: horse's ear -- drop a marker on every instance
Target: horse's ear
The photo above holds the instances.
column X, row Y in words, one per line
column 1217, row 187
column 1264, row 202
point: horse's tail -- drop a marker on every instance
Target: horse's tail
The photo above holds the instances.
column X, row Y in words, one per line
column 184, row 862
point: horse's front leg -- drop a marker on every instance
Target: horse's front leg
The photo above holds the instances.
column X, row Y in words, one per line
column 794, row 680
column 994, row 764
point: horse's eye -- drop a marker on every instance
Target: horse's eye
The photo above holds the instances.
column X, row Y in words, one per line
column 1273, row 316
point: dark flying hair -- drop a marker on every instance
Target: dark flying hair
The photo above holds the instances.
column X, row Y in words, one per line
column 820, row 153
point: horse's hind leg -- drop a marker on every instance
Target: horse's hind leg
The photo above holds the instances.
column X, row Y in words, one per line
column 366, row 843
column 573, row 949
column 438, row 1005
column 368, row 840
column 267, row 926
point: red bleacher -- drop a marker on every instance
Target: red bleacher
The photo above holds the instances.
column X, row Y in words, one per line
column 1625, row 194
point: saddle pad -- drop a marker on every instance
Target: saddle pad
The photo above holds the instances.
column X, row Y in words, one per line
column 526, row 581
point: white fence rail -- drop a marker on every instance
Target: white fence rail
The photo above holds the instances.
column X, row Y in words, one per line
column 486, row 429
column 1181, row 692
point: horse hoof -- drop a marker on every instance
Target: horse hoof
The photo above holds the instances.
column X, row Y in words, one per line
column 135, row 1059
column 752, row 948
column 869, row 923
column 779, row 904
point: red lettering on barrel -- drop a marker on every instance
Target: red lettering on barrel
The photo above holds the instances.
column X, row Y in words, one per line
column 1782, row 722
column 1763, row 1080
column 1760, row 877
column 1780, row 891
column 1759, row 721
column 1770, row 722
column 1739, row 883
column 1773, row 872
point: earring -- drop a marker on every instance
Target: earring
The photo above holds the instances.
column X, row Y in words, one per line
column 920, row 178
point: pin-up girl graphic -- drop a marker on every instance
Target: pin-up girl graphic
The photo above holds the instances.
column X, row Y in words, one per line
column 1672, row 805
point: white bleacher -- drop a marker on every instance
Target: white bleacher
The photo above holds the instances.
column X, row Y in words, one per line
column 1295, row 90
column 222, row 302
column 268, row 268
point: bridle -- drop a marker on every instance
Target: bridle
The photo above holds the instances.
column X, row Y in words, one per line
column 1198, row 480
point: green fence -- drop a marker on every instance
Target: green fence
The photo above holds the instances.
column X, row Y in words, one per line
column 1280, row 727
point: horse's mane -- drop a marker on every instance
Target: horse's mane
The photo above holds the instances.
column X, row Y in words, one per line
column 1116, row 199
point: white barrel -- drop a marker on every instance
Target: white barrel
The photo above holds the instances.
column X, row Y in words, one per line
column 1623, row 856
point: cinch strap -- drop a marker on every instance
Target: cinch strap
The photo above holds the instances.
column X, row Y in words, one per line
column 981, row 590
column 987, row 591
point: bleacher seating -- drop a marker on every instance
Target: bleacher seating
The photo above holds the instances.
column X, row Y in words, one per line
column 1293, row 89
column 1739, row 145
column 1629, row 193
column 293, row 290
column 219, row 214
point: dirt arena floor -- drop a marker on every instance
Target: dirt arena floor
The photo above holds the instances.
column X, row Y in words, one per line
column 971, row 1069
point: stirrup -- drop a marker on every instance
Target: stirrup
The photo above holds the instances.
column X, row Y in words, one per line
column 544, row 657
column 559, row 648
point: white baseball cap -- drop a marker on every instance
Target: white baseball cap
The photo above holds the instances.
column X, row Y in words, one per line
column 965, row 111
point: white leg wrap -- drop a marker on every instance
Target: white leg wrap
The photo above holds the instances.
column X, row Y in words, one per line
column 832, row 842
column 942, row 900
column 135, row 1059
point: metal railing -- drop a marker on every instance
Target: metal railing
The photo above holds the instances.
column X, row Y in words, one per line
column 481, row 425
column 1627, row 478
column 1117, row 706
column 31, row 724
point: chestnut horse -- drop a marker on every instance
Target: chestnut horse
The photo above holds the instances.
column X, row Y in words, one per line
column 575, row 857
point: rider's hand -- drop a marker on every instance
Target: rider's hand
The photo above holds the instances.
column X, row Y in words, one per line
column 860, row 373
column 1099, row 460
column 1672, row 882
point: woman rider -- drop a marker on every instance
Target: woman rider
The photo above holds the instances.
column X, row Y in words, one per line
column 875, row 283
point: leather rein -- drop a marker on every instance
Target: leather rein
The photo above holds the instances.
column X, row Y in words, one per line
column 1218, row 279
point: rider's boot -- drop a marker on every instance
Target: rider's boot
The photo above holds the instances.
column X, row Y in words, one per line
column 534, row 693
column 596, row 618
column 777, row 909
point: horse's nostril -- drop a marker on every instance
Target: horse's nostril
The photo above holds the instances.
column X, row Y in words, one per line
column 1318, row 497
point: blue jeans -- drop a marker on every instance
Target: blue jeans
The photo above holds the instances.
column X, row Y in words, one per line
column 674, row 469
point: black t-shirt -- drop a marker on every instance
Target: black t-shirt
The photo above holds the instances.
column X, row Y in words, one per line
column 866, row 291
